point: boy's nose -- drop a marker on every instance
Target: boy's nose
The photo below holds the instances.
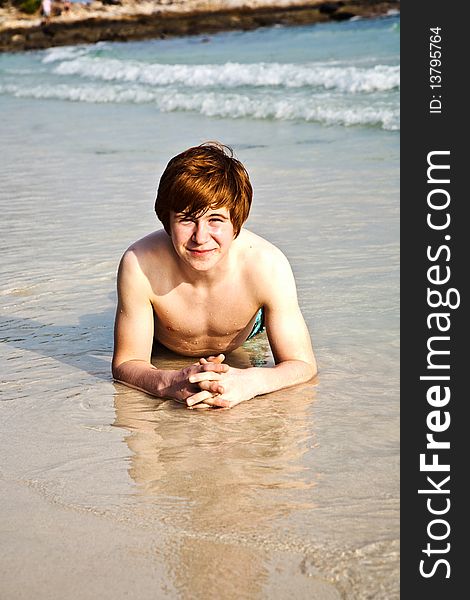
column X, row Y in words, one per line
column 200, row 235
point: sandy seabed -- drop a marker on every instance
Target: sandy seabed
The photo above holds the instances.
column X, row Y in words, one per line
column 51, row 551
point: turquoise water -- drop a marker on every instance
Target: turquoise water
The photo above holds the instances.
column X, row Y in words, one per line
column 334, row 74
column 307, row 477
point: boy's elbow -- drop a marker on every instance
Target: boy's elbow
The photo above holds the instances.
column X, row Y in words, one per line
column 116, row 368
column 311, row 370
column 115, row 371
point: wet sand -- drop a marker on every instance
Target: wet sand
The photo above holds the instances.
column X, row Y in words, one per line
column 143, row 20
column 50, row 551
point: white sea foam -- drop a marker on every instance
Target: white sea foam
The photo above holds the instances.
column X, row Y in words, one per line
column 222, row 104
column 329, row 92
column 348, row 79
column 285, row 108
column 61, row 53
column 92, row 94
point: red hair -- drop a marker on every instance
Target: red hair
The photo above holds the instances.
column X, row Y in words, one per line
column 201, row 178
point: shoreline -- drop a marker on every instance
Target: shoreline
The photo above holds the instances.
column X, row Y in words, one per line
column 98, row 22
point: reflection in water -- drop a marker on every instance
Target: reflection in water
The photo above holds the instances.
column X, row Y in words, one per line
column 219, row 475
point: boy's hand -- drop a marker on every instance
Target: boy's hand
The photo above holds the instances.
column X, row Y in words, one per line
column 184, row 388
column 213, row 390
column 234, row 386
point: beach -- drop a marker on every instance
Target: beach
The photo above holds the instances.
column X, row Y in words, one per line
column 110, row 493
column 91, row 22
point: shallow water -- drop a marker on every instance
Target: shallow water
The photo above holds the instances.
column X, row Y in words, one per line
column 292, row 493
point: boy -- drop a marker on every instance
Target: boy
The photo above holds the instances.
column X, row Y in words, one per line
column 202, row 286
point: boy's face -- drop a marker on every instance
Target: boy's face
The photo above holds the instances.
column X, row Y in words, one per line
column 203, row 241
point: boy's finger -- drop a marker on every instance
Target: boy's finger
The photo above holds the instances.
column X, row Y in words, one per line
column 199, row 397
column 214, row 402
column 204, row 376
column 217, row 401
column 217, row 359
column 212, row 359
column 215, row 367
column 207, row 398
column 212, row 386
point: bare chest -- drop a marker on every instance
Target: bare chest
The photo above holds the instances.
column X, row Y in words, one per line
column 198, row 324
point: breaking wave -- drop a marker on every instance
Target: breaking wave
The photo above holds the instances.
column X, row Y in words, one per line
column 347, row 79
column 320, row 109
column 360, row 90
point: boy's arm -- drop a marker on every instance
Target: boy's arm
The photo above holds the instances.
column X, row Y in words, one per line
column 287, row 332
column 288, row 337
column 133, row 339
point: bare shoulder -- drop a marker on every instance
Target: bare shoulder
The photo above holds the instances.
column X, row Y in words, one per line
column 267, row 267
column 143, row 256
column 151, row 245
column 262, row 253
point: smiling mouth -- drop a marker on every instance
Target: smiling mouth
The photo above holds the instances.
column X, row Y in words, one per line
column 200, row 252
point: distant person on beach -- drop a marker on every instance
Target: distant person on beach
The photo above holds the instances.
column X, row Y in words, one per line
column 46, row 8
column 204, row 285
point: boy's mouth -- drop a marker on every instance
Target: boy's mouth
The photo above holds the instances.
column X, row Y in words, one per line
column 199, row 252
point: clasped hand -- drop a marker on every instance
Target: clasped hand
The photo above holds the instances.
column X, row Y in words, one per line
column 220, row 385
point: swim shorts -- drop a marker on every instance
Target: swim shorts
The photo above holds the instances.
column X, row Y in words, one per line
column 258, row 326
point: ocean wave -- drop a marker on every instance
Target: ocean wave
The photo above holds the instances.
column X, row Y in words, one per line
column 219, row 104
column 61, row 53
column 346, row 79
column 97, row 95
column 239, row 106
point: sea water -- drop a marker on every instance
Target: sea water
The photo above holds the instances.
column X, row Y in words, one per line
column 295, row 493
